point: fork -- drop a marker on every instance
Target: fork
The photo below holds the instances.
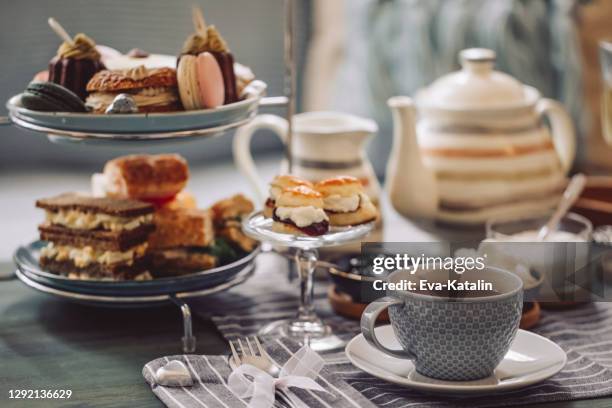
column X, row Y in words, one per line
column 262, row 361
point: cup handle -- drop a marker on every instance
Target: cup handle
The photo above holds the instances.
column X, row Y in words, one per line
column 562, row 129
column 368, row 319
column 242, row 148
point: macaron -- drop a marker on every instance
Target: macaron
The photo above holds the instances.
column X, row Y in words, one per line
column 51, row 97
column 200, row 82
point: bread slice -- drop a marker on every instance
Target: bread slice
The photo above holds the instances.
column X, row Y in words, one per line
column 94, row 270
column 97, row 205
column 100, row 239
column 182, row 228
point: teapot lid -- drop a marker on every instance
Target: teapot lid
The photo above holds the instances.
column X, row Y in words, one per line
column 476, row 86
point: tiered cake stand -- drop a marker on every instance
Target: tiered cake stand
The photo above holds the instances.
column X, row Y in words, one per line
column 67, row 128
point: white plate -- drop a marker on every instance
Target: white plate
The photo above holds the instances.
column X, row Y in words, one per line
column 531, row 359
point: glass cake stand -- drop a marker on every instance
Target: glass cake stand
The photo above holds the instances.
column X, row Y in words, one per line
column 306, row 327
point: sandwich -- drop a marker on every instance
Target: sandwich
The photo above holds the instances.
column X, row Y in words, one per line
column 153, row 90
column 299, row 211
column 276, row 188
column 95, row 238
column 227, row 217
column 158, row 179
column 345, row 201
column 181, row 241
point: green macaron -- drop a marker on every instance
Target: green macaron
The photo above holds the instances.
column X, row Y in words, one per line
column 51, row 97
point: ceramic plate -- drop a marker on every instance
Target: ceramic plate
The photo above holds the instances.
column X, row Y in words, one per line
column 26, row 258
column 131, row 127
column 531, row 359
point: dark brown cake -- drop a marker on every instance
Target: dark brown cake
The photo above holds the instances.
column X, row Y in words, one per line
column 75, row 64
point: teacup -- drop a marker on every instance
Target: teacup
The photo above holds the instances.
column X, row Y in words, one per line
column 457, row 338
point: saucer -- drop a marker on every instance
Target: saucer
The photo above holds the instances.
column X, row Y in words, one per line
column 531, row 359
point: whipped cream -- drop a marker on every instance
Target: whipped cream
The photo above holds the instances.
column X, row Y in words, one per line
column 85, row 220
column 85, row 256
column 302, row 216
column 338, row 203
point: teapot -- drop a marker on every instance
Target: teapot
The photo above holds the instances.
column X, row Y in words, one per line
column 475, row 145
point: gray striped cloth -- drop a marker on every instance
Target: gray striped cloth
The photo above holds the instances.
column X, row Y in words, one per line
column 210, row 389
column 584, row 333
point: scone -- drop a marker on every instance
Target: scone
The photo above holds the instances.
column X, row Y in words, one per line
column 345, row 201
column 277, row 186
column 299, row 211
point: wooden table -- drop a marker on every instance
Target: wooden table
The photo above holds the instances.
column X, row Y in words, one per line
column 46, row 343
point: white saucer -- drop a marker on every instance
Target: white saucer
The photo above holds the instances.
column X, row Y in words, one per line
column 531, row 359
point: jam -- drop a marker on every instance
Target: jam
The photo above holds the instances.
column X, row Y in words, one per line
column 313, row 230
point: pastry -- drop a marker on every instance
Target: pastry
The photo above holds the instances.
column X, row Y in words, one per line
column 200, row 82
column 277, row 186
column 345, row 201
column 95, row 238
column 75, row 64
column 210, row 40
column 227, row 217
column 50, row 97
column 299, row 211
column 154, row 178
column 181, row 241
column 153, row 90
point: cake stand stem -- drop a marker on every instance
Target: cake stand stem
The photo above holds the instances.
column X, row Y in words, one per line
column 306, row 260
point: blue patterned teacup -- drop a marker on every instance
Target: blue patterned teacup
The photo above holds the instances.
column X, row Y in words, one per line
column 457, row 338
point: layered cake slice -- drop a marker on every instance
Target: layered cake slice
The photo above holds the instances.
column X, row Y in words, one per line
column 95, row 238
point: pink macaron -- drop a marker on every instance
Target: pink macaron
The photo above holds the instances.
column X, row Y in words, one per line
column 211, row 89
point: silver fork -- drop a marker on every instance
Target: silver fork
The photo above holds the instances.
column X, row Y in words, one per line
column 249, row 355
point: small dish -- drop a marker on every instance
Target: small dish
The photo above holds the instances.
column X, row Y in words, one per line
column 531, row 359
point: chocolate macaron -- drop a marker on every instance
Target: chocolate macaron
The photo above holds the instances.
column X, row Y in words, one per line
column 51, row 97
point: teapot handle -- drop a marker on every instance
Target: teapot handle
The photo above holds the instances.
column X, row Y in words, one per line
column 562, row 129
column 243, row 157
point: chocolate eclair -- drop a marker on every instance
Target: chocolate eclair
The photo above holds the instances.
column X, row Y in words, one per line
column 345, row 201
column 277, row 186
column 299, row 211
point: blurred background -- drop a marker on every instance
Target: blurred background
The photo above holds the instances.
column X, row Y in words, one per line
column 375, row 48
column 352, row 56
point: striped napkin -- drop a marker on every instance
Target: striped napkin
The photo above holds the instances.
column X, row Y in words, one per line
column 210, row 382
column 584, row 333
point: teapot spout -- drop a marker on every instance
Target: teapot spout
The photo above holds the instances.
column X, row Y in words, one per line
column 412, row 186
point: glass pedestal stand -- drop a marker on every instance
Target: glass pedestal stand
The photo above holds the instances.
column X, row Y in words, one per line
column 306, row 327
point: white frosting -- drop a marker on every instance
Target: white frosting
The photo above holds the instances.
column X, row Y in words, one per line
column 302, row 216
column 85, row 220
column 338, row 203
column 87, row 255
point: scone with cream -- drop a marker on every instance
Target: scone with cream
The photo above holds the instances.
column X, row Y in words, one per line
column 345, row 201
column 299, row 210
column 277, row 186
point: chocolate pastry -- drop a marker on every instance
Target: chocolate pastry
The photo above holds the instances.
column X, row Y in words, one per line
column 75, row 64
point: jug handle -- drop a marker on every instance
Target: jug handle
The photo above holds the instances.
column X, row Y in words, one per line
column 243, row 158
column 562, row 130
